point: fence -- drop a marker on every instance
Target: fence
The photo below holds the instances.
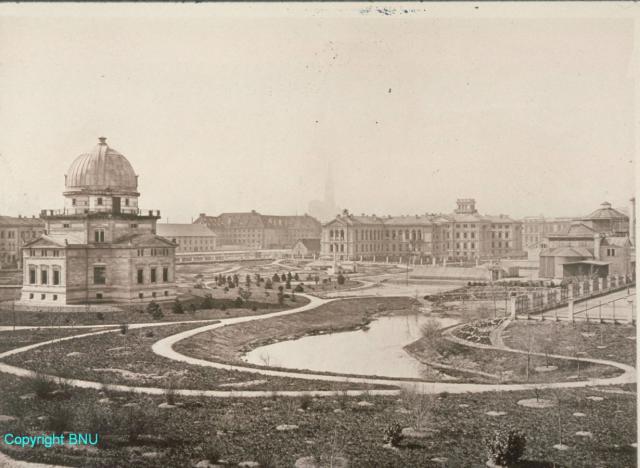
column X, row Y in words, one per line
column 573, row 295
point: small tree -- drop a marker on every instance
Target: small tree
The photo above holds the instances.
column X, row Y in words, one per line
column 177, row 307
column 288, row 285
column 341, row 279
column 296, row 277
column 316, row 278
column 283, row 277
column 289, row 276
column 245, row 294
column 247, row 281
column 275, row 278
column 280, row 295
column 238, row 302
column 268, row 284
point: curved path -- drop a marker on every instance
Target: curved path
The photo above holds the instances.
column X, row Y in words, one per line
column 164, row 348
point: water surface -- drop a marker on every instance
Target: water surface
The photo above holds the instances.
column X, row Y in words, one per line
column 377, row 351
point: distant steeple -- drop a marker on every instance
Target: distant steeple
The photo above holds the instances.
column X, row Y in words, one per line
column 329, row 198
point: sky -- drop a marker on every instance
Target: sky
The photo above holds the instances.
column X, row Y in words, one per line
column 233, row 108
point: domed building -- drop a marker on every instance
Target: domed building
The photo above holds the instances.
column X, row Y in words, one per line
column 102, row 247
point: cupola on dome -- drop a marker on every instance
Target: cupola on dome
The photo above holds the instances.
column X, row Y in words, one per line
column 103, row 168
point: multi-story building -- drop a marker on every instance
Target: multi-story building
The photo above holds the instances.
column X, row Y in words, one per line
column 253, row 230
column 188, row 237
column 462, row 235
column 101, row 247
column 14, row 233
column 536, row 228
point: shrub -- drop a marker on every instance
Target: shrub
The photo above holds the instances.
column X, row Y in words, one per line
column 154, row 309
column 238, row 302
column 268, row 284
column 393, row 434
column 275, row 278
column 506, row 446
column 124, row 328
column 305, row 401
column 208, row 302
column 223, row 307
column 298, row 289
column 60, row 418
column 149, row 334
column 212, row 452
column 177, row 307
column 341, row 279
column 254, row 308
column 135, row 422
column 99, row 315
column 42, row 386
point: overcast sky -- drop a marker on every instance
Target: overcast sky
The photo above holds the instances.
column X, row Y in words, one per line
column 230, row 111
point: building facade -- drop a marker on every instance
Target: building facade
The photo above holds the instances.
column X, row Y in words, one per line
column 253, row 230
column 188, row 237
column 462, row 235
column 596, row 245
column 101, row 247
column 14, row 233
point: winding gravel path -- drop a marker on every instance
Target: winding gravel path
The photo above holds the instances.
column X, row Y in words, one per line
column 164, row 348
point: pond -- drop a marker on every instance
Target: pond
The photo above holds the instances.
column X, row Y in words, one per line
column 376, row 351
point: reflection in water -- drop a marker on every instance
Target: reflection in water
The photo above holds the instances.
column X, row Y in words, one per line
column 376, row 351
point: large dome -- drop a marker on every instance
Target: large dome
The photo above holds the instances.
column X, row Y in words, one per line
column 103, row 168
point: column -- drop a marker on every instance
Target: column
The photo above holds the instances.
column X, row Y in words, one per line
column 571, row 291
column 570, row 310
column 601, row 284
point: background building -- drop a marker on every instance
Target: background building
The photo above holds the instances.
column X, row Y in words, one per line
column 188, row 237
column 253, row 230
column 101, row 247
column 14, row 233
column 536, row 228
column 462, row 235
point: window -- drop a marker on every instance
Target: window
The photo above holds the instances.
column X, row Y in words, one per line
column 100, row 275
column 153, row 294
column 44, row 276
column 140, row 252
column 73, row 202
column 165, row 274
column 31, row 296
column 55, row 297
column 134, row 225
column 99, row 201
column 140, row 276
column 66, row 225
column 153, row 275
column 99, row 236
column 32, row 275
column 56, row 277
column 140, row 295
column 43, row 296
column 56, row 253
column 99, row 296
column 126, row 202
column 166, row 293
